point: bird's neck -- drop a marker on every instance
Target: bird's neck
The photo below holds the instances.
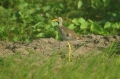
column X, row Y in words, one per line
column 59, row 24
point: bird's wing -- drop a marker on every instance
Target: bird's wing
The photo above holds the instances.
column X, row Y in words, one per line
column 70, row 33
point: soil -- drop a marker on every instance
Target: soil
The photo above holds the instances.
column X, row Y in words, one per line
column 48, row 46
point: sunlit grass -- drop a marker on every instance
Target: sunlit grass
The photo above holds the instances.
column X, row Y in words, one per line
column 37, row 66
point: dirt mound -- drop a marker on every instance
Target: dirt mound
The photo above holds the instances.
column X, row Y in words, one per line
column 47, row 46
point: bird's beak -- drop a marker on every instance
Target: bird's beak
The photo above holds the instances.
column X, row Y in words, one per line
column 55, row 20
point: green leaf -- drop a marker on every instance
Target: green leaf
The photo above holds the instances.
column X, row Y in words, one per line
column 61, row 5
column 96, row 28
column 27, row 40
column 71, row 26
column 118, row 24
column 40, row 35
column 90, row 21
column 13, row 17
column 50, row 32
column 54, row 24
column 115, row 26
column 56, row 35
column 105, row 32
column 5, row 34
column 106, row 2
column 79, row 4
column 84, row 25
column 81, row 20
column 51, row 29
column 47, row 14
column 2, row 29
column 75, row 21
column 23, row 5
column 47, row 27
column 46, row 8
column 30, row 11
column 107, row 25
column 38, row 30
column 15, row 39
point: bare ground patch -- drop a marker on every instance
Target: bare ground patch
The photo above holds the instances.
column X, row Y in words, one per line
column 47, row 46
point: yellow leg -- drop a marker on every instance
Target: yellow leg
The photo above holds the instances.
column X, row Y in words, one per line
column 69, row 53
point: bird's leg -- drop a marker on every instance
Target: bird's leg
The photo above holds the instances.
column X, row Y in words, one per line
column 69, row 53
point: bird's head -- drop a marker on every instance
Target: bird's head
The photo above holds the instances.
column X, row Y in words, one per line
column 59, row 20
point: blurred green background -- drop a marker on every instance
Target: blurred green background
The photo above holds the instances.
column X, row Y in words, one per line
column 25, row 20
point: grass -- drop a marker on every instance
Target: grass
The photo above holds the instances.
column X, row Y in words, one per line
column 38, row 66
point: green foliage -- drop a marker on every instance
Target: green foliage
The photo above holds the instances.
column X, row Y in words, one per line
column 103, row 65
column 24, row 20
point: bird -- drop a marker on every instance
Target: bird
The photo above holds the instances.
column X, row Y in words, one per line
column 66, row 33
